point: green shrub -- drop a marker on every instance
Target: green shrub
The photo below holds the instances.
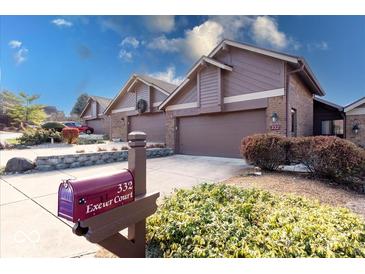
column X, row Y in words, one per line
column 70, row 135
column 227, row 221
column 330, row 157
column 32, row 137
column 267, row 151
column 57, row 126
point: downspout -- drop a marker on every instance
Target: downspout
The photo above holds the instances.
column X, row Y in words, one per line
column 287, row 93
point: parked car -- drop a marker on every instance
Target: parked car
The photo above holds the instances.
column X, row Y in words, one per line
column 82, row 128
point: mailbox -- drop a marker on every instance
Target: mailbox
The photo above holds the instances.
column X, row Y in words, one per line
column 81, row 199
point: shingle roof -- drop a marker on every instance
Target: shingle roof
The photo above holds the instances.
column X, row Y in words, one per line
column 168, row 87
column 103, row 101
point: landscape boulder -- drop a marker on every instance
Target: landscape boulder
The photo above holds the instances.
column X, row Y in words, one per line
column 19, row 165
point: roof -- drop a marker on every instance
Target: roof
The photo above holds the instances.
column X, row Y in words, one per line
column 297, row 61
column 163, row 86
column 102, row 101
column 354, row 104
column 338, row 107
column 200, row 62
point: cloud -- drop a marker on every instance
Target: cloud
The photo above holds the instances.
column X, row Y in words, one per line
column 168, row 76
column 317, row 46
column 124, row 55
column 160, row 23
column 113, row 23
column 265, row 31
column 21, row 55
column 14, row 44
column 130, row 41
column 59, row 22
column 233, row 25
column 197, row 41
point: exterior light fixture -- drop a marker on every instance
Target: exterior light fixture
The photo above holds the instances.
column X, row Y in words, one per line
column 355, row 129
column 274, row 117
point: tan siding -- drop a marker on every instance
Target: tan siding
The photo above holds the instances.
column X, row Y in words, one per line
column 142, row 92
column 127, row 100
column 88, row 111
column 187, row 95
column 209, row 86
column 157, row 96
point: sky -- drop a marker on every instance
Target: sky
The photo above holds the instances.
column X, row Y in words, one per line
column 60, row 57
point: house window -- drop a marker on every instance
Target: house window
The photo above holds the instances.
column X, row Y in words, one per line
column 293, row 113
column 332, row 127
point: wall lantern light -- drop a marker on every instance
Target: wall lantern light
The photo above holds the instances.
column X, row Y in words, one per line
column 274, row 117
column 355, row 129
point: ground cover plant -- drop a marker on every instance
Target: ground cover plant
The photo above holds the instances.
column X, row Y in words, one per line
column 228, row 221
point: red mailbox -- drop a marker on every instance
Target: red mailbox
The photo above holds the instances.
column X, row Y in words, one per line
column 81, row 199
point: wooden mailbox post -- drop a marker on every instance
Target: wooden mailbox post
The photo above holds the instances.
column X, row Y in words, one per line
column 104, row 229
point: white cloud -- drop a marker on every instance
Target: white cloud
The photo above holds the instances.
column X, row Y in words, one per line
column 197, row 41
column 14, row 44
column 318, row 45
column 160, row 23
column 167, row 45
column 233, row 25
column 131, row 41
column 265, row 31
column 168, row 76
column 21, row 55
column 60, row 22
column 125, row 55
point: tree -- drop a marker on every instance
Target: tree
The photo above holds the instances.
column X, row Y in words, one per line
column 80, row 104
column 21, row 110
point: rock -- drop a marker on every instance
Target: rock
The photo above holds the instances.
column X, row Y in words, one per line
column 62, row 166
column 19, row 165
column 69, row 160
column 45, row 168
column 75, row 164
column 99, row 162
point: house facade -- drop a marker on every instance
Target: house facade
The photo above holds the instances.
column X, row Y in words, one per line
column 93, row 114
column 236, row 91
column 355, row 122
column 136, row 108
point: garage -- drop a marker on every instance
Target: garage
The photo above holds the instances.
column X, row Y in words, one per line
column 219, row 134
column 152, row 124
column 97, row 125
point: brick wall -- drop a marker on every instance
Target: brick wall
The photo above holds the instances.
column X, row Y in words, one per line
column 358, row 138
column 301, row 99
column 119, row 128
column 277, row 105
column 170, row 130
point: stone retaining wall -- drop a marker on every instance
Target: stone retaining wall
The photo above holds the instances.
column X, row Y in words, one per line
column 47, row 163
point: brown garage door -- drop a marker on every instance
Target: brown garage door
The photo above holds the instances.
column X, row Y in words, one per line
column 97, row 125
column 152, row 124
column 218, row 134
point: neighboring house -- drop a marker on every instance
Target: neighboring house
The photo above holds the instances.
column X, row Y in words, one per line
column 136, row 108
column 236, row 91
column 355, row 122
column 329, row 118
column 93, row 114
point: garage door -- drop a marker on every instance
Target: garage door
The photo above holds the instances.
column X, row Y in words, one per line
column 152, row 124
column 219, row 134
column 97, row 125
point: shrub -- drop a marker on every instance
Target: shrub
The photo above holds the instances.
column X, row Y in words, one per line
column 267, row 151
column 227, row 221
column 70, row 135
column 330, row 157
column 57, row 126
column 155, row 146
column 32, row 137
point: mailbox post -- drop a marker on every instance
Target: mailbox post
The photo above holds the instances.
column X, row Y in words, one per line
column 104, row 228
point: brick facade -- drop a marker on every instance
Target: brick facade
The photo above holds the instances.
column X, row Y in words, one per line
column 301, row 99
column 119, row 127
column 358, row 138
column 276, row 105
column 170, row 130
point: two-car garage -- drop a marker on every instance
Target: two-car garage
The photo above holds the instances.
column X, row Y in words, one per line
column 152, row 124
column 218, row 134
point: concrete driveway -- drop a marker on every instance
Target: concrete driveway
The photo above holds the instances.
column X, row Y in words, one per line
column 28, row 203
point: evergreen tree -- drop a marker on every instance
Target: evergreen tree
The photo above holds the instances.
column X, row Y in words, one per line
column 80, row 104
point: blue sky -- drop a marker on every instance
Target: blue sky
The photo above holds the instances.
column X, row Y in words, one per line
column 60, row 57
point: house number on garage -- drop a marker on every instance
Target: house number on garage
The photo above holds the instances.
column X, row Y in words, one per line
column 275, row 127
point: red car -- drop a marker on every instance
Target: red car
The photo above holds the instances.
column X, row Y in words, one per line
column 80, row 127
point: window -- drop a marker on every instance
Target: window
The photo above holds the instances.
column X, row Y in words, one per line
column 293, row 122
column 332, row 127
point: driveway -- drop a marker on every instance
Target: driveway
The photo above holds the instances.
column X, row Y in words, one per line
column 28, row 204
